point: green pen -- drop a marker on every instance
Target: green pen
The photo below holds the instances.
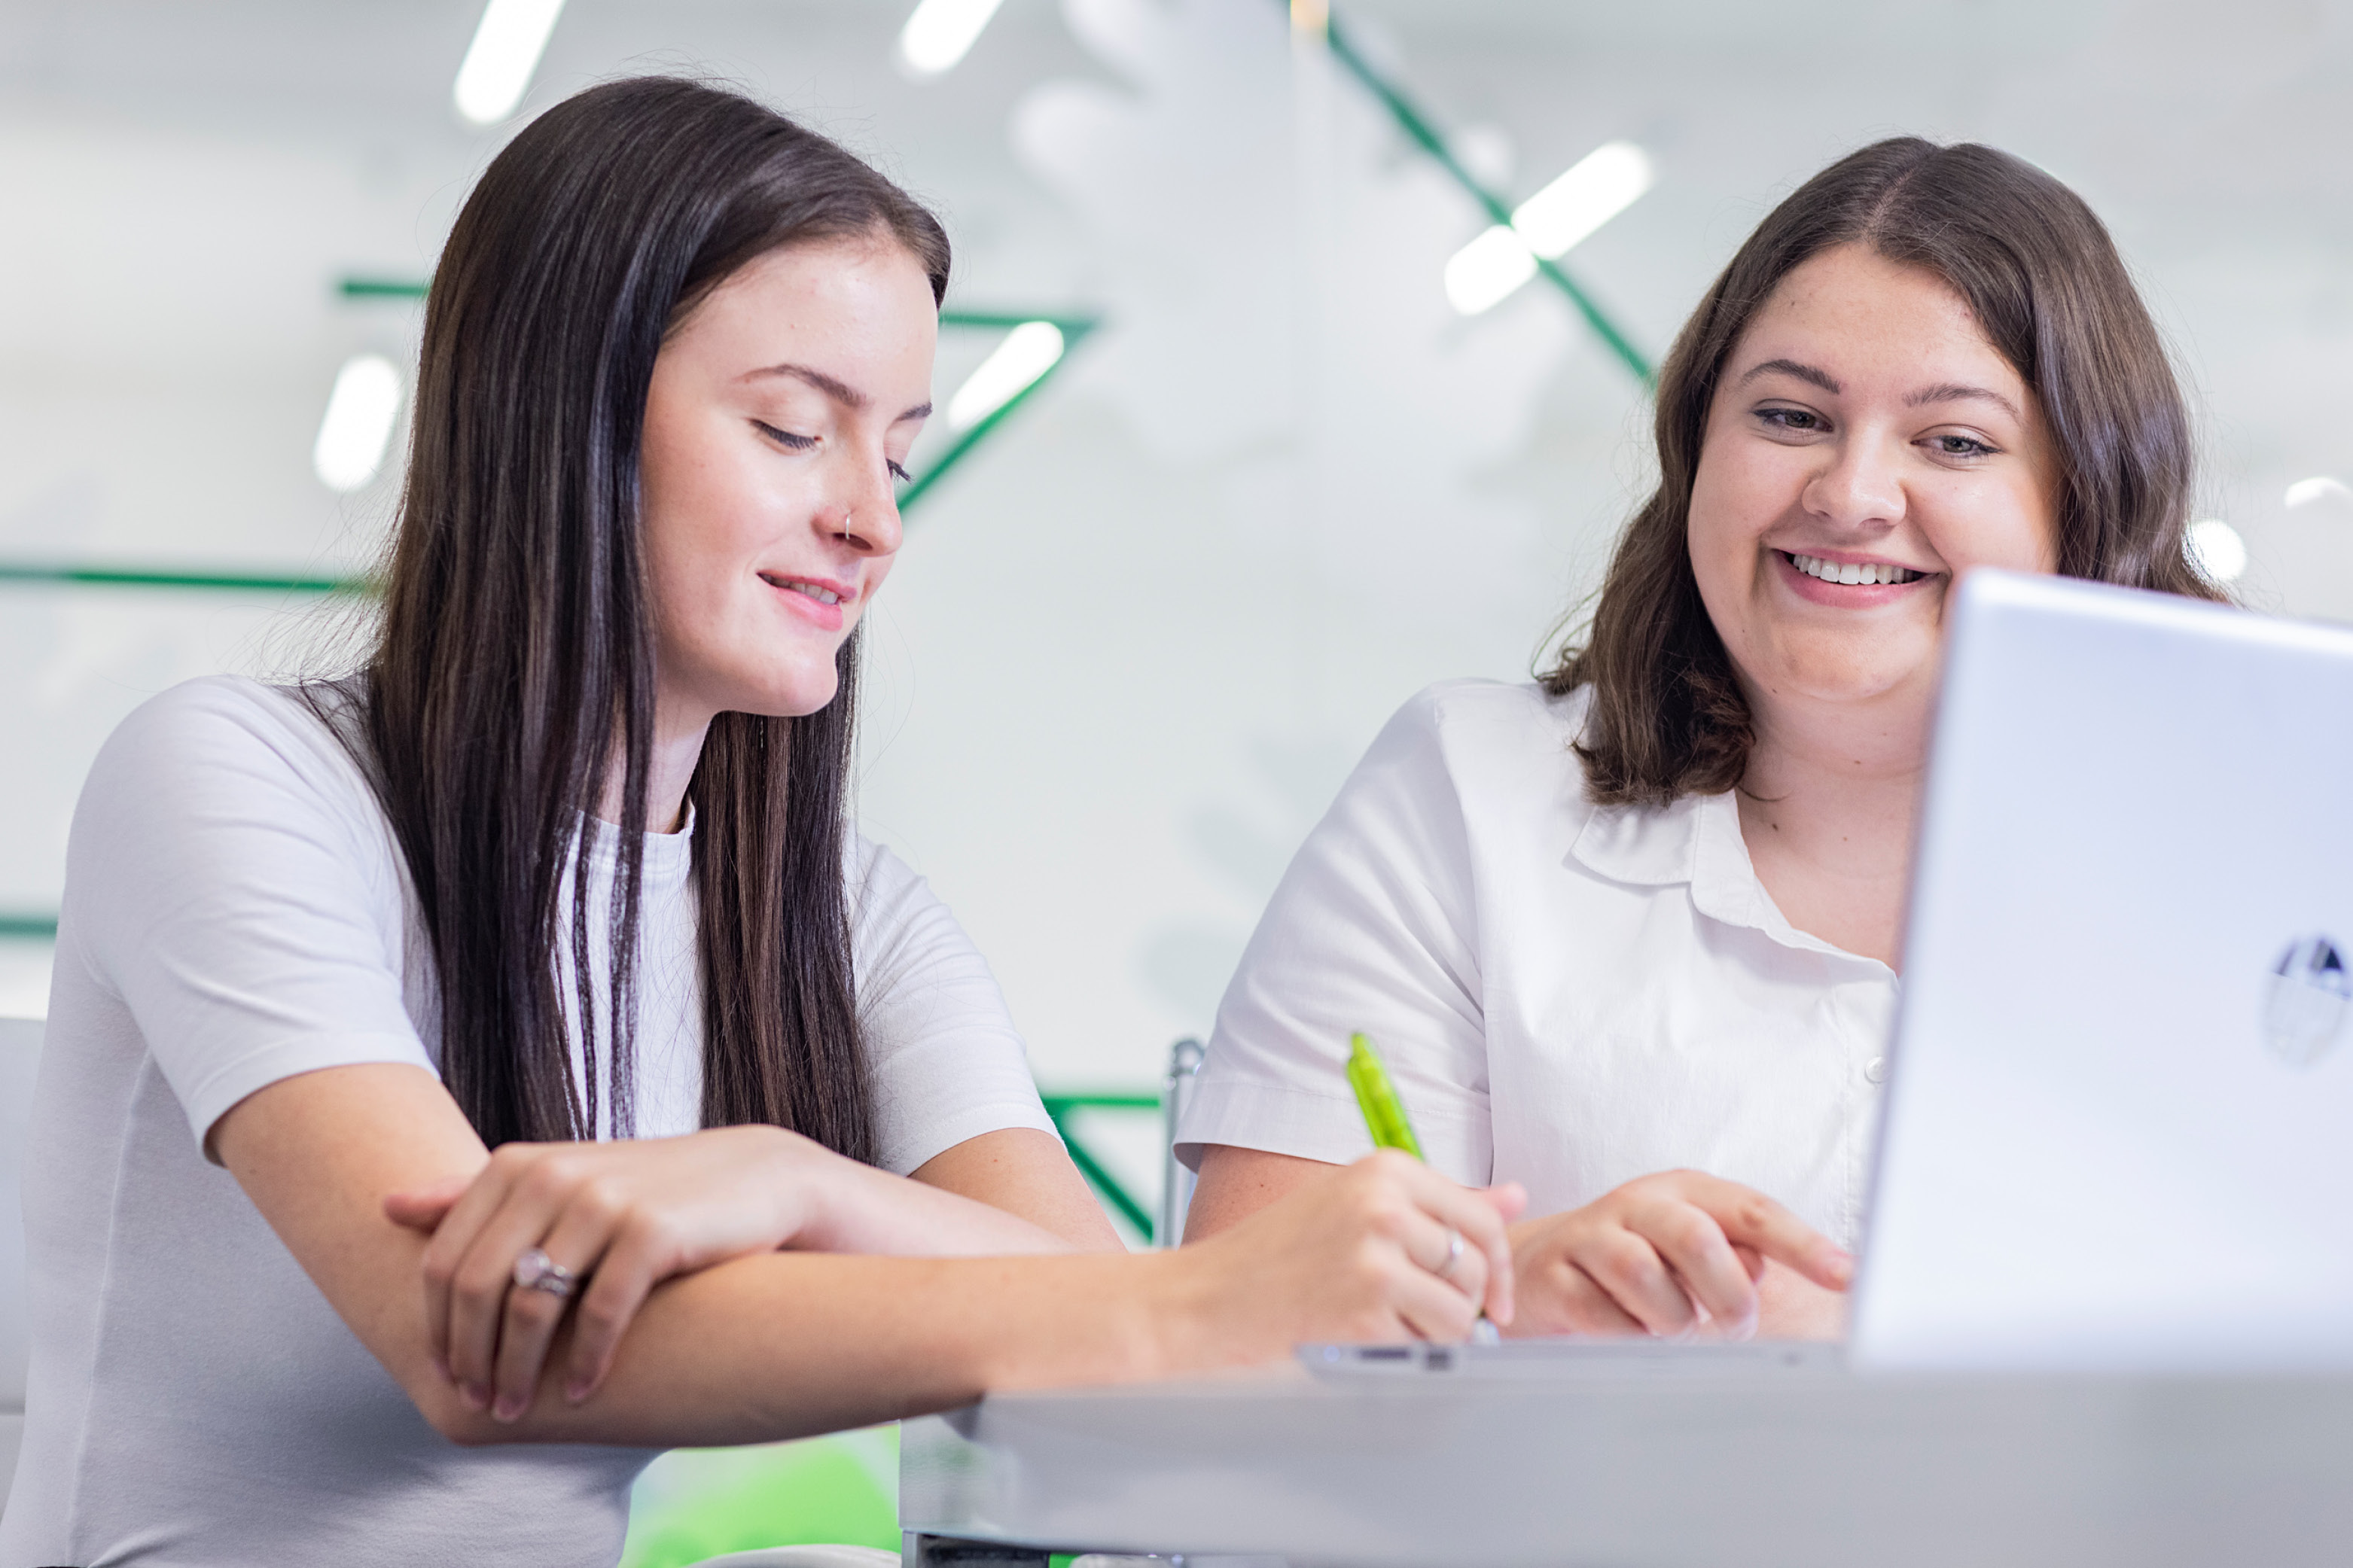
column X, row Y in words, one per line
column 1378, row 1098
column 1385, row 1119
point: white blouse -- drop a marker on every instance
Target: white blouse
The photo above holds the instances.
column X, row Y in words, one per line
column 1567, row 996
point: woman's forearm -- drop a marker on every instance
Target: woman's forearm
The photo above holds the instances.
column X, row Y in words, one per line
column 784, row 1344
column 866, row 1210
column 778, row 1344
column 787, row 1344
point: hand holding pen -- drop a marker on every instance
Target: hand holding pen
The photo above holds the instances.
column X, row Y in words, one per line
column 1385, row 1119
column 1667, row 1254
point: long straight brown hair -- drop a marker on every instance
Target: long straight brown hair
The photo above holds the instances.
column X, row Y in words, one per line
column 2047, row 288
column 515, row 664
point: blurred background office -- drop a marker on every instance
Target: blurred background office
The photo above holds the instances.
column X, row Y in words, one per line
column 1329, row 439
column 1296, row 427
column 1256, row 418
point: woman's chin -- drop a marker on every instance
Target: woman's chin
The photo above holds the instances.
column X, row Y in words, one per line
column 1845, row 674
column 796, row 695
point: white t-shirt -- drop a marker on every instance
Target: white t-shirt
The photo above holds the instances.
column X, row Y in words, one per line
column 236, row 911
column 1567, row 995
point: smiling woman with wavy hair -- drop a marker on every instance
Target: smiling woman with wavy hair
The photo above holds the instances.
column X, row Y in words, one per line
column 2049, row 292
column 1630, row 933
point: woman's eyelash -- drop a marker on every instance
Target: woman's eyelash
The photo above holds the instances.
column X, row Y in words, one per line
column 1945, row 445
column 793, row 443
column 785, row 438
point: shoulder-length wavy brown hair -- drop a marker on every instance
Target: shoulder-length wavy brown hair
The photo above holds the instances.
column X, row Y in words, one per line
column 514, row 673
column 2049, row 291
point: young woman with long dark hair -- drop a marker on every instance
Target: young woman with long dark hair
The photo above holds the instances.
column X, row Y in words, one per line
column 1629, row 934
column 505, row 1045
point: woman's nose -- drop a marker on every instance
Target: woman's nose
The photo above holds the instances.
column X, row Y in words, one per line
column 865, row 513
column 1860, row 484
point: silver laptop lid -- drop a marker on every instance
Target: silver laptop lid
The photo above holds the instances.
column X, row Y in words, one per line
column 2119, row 1124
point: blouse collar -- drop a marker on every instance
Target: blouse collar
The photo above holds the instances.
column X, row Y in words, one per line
column 1695, row 840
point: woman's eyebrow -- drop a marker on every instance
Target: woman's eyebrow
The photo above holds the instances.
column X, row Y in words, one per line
column 840, row 390
column 1804, row 373
column 1953, row 392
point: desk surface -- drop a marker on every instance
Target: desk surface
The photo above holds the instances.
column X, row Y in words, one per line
column 1625, row 1468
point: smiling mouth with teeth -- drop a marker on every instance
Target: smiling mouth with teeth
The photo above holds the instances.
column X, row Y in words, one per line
column 1857, row 573
column 822, row 596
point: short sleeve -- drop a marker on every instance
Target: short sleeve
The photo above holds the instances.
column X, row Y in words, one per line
column 1373, row 929
column 228, row 877
column 946, row 1064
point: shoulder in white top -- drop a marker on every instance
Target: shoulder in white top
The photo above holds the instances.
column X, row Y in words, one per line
column 236, row 911
column 1567, row 996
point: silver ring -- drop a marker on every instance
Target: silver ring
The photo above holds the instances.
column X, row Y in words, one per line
column 535, row 1271
column 1453, row 1253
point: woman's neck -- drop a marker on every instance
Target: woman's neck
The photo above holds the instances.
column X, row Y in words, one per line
column 1828, row 807
column 677, row 748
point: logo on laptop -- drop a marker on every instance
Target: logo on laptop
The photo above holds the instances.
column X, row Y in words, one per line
column 2310, row 993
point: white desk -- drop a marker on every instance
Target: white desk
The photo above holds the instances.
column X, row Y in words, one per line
column 1756, row 1469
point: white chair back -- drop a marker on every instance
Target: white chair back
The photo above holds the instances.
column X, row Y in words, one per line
column 20, row 1053
column 1175, row 1181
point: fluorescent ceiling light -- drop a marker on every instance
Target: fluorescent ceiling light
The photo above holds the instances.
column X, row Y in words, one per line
column 1597, row 188
column 939, row 32
column 2216, row 549
column 1483, row 273
column 358, row 425
column 505, row 51
column 2304, row 492
column 1028, row 352
column 1601, row 186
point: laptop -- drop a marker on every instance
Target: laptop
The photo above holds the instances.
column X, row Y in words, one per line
column 2118, row 1133
column 2118, row 1129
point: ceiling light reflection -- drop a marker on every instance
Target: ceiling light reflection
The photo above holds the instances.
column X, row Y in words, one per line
column 357, row 428
column 1483, row 273
column 939, row 32
column 1028, row 352
column 2216, row 549
column 505, row 51
column 1595, row 189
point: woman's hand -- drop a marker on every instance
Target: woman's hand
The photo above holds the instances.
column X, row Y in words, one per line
column 1665, row 1255
column 621, row 1218
column 1384, row 1249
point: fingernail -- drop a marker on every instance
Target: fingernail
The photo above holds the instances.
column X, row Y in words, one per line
column 577, row 1390
column 475, row 1395
column 507, row 1408
column 441, row 1365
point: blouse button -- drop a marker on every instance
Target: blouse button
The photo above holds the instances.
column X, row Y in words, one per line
column 1876, row 1069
